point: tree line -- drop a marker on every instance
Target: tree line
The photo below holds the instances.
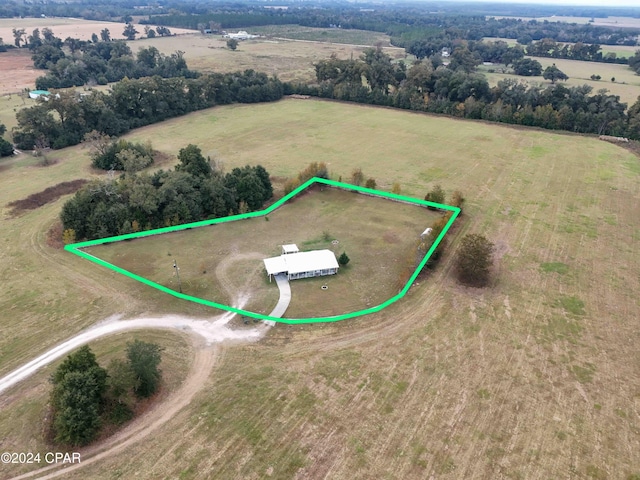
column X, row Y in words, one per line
column 99, row 61
column 458, row 91
column 136, row 201
column 135, row 103
column 86, row 396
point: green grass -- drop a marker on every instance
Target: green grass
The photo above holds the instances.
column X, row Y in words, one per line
column 572, row 305
column 584, row 374
column 557, row 267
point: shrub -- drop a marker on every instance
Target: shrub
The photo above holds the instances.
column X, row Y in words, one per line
column 343, row 259
column 357, row 177
column 109, row 158
column 436, row 195
column 474, row 260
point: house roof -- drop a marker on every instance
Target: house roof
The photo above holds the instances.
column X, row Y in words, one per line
column 301, row 262
column 291, row 248
column 275, row 265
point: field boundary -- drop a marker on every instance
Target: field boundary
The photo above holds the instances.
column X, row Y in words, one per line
column 77, row 249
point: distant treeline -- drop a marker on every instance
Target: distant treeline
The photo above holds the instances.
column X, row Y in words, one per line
column 458, row 91
column 113, row 9
column 135, row 103
column 406, row 24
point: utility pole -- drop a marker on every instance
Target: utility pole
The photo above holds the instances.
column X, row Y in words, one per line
column 177, row 269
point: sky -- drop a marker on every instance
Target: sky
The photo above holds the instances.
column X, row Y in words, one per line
column 590, row 3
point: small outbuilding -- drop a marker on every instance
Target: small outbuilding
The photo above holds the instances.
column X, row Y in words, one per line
column 295, row 264
column 291, row 248
column 38, row 93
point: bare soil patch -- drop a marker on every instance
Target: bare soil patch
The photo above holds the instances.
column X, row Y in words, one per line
column 70, row 27
column 49, row 194
column 17, row 70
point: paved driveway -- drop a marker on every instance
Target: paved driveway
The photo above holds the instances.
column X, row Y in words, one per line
column 285, row 298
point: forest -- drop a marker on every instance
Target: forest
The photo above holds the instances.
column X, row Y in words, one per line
column 135, row 103
column 195, row 190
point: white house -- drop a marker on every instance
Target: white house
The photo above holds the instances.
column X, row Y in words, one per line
column 296, row 264
column 241, row 35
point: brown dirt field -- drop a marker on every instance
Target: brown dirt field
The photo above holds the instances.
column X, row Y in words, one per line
column 69, row 27
column 17, row 71
column 49, row 194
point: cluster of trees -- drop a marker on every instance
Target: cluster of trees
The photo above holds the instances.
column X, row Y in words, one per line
column 314, row 169
column 6, row 148
column 195, row 190
column 136, row 103
column 457, row 90
column 634, row 62
column 86, row 396
column 548, row 47
column 108, row 153
column 99, row 62
column 500, row 52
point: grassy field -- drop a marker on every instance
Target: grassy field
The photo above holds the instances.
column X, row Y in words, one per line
column 620, row 50
column 626, row 85
column 534, row 377
column 617, row 22
column 332, row 35
column 288, row 59
column 223, row 263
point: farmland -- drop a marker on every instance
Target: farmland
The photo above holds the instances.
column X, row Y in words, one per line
column 288, row 59
column 626, row 84
column 533, row 377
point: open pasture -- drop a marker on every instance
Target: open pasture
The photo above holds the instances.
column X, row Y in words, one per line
column 288, row 59
column 626, row 85
column 223, row 262
column 331, row 35
column 619, row 50
column 534, row 377
column 612, row 21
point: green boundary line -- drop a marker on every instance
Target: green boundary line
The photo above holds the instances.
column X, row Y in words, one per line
column 76, row 248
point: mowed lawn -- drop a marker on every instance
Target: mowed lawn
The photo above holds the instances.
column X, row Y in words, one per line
column 534, row 377
column 223, row 262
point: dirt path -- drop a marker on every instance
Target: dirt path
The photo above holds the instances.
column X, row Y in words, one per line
column 205, row 358
column 215, row 331
column 227, row 281
column 206, row 333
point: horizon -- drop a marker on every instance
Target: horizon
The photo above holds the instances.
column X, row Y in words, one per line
column 560, row 3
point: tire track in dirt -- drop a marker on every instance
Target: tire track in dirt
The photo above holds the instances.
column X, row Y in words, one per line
column 205, row 359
